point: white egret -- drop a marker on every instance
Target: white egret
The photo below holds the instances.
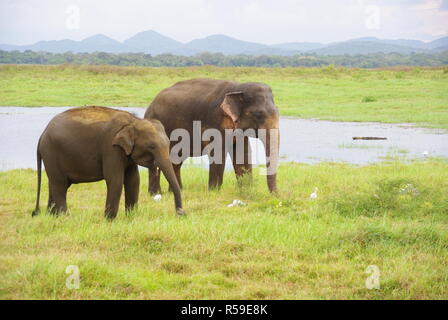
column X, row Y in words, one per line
column 236, row 203
column 314, row 194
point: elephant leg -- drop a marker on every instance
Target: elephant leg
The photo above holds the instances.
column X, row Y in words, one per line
column 51, row 206
column 215, row 175
column 244, row 168
column 177, row 168
column 131, row 187
column 114, row 172
column 114, row 189
column 154, row 181
column 58, row 195
column 216, row 172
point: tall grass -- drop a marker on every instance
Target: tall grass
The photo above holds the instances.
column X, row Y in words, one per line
column 391, row 215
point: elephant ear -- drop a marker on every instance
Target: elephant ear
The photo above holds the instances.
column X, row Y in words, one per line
column 231, row 105
column 125, row 139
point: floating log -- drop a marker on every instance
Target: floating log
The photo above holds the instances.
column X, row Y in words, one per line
column 369, row 138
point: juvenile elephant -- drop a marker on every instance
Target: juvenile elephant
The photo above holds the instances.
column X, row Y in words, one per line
column 94, row 143
column 219, row 105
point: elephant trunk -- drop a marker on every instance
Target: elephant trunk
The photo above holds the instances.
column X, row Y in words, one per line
column 167, row 169
column 271, row 141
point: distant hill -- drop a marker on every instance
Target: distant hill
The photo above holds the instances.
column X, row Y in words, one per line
column 94, row 43
column 151, row 42
column 364, row 47
column 400, row 42
column 221, row 43
column 155, row 43
column 439, row 43
column 100, row 42
column 298, row 46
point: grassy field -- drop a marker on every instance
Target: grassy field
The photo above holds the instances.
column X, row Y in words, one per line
column 391, row 215
column 400, row 95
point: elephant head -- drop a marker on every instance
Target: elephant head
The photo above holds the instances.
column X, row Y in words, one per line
column 251, row 106
column 147, row 144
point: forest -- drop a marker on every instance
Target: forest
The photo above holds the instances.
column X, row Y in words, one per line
column 375, row 60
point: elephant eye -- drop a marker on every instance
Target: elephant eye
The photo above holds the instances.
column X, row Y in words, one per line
column 258, row 115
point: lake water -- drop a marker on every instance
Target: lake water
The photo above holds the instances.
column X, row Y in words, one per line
column 308, row 141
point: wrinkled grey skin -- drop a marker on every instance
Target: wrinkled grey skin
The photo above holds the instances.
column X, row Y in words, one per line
column 95, row 143
column 221, row 105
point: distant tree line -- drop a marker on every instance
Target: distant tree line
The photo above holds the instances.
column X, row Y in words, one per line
column 375, row 60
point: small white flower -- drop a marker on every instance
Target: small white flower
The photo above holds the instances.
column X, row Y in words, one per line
column 157, row 197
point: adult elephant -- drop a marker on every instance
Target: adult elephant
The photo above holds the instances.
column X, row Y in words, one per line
column 94, row 143
column 220, row 105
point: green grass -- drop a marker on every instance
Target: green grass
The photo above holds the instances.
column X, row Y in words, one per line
column 391, row 215
column 401, row 95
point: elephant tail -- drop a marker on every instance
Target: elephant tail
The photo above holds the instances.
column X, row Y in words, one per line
column 39, row 178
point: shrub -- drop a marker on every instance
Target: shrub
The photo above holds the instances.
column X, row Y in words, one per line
column 369, row 99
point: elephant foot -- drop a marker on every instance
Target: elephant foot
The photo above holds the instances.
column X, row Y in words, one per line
column 214, row 187
column 154, row 191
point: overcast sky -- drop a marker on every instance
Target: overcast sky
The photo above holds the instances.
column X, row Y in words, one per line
column 265, row 21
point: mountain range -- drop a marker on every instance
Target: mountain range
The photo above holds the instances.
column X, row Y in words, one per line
column 155, row 43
